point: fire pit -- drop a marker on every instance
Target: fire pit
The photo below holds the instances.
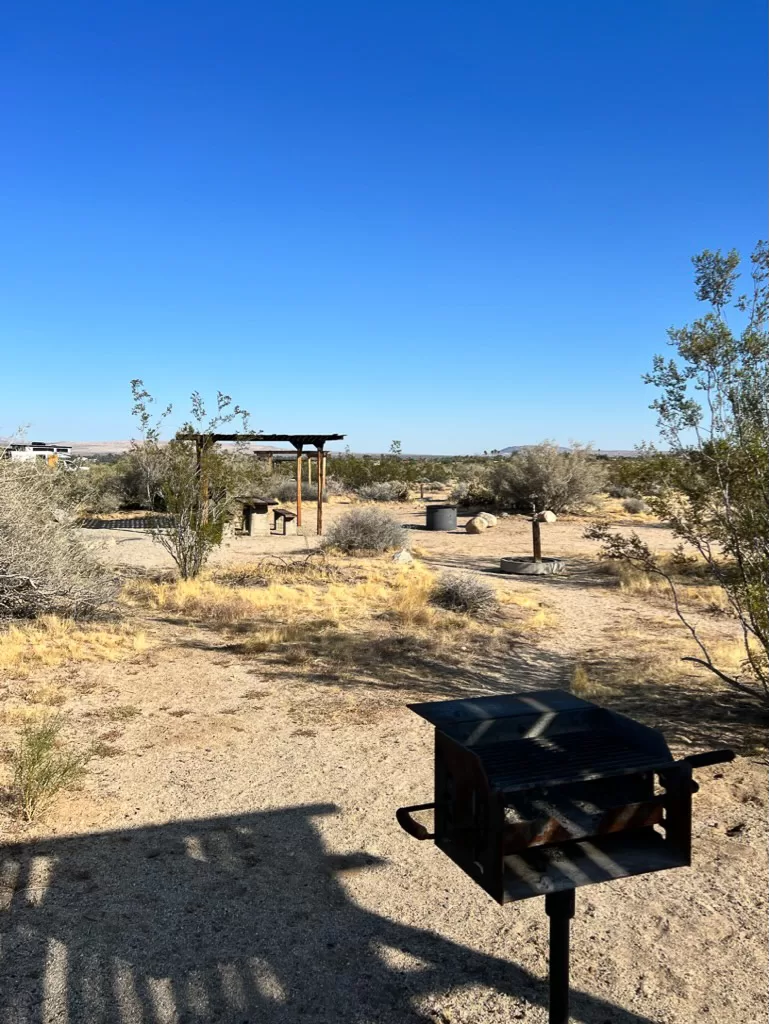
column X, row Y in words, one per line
column 536, row 565
column 539, row 793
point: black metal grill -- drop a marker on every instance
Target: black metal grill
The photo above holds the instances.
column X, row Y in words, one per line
column 539, row 793
column 567, row 758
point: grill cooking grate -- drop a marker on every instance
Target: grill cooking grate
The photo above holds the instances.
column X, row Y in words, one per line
column 568, row 757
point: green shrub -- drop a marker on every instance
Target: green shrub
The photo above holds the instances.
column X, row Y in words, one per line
column 367, row 531
column 544, row 477
column 472, row 492
column 42, row 768
column 461, row 592
column 384, row 490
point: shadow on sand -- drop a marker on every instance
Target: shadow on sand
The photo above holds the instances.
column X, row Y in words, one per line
column 235, row 919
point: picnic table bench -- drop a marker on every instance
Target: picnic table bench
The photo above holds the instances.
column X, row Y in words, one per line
column 286, row 517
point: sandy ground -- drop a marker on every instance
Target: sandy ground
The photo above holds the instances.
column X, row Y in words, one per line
column 234, row 857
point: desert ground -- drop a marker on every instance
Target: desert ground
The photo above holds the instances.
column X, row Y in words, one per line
column 232, row 854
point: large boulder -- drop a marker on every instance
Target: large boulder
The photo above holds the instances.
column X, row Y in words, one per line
column 476, row 525
column 491, row 520
column 547, row 517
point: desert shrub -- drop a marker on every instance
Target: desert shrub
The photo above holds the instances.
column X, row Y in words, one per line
column 461, row 592
column 384, row 490
column 284, row 489
column 356, row 470
column 44, row 565
column 634, row 505
column 544, row 477
column 42, row 767
column 89, row 488
column 367, row 531
column 334, row 488
column 472, row 492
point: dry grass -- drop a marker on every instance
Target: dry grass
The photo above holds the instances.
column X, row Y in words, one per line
column 695, row 589
column 51, row 641
column 533, row 614
column 314, row 568
column 392, row 592
column 382, row 598
column 684, row 700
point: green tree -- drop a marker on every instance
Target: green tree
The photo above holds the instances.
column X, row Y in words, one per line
column 712, row 482
column 146, row 453
column 193, row 476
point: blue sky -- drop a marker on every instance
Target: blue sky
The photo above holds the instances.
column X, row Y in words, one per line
column 461, row 224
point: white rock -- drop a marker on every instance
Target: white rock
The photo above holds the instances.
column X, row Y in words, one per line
column 403, row 556
column 491, row 520
column 547, row 517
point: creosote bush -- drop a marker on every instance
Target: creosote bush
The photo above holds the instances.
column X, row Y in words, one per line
column 42, row 767
column 44, row 565
column 369, row 531
column 384, row 490
column 461, row 592
column 634, row 505
column 544, row 477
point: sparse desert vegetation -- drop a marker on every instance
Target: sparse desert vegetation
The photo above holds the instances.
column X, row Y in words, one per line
column 248, row 692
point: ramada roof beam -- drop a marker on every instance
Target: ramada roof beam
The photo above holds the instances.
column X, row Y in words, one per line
column 297, row 440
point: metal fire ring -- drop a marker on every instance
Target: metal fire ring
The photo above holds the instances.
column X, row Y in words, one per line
column 528, row 567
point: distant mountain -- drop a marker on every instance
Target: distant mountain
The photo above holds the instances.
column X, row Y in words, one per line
column 608, row 453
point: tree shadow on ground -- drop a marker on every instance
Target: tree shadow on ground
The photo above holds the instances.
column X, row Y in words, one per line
column 371, row 659
column 687, row 709
column 235, row 920
column 581, row 571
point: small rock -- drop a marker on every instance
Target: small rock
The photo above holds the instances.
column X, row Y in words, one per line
column 403, row 556
column 476, row 525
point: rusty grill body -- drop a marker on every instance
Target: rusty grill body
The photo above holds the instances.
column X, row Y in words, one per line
column 539, row 793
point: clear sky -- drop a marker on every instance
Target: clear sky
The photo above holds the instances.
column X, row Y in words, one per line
column 463, row 224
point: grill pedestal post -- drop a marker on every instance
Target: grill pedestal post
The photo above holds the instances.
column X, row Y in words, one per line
column 559, row 907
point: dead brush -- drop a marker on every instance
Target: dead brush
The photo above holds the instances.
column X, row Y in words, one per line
column 42, row 767
column 462, row 592
column 313, row 568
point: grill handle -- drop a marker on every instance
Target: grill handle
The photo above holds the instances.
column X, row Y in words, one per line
column 710, row 757
column 408, row 824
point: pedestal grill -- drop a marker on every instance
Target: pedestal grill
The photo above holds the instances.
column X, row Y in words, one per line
column 538, row 793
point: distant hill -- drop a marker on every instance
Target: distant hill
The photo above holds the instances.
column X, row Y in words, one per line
column 608, row 453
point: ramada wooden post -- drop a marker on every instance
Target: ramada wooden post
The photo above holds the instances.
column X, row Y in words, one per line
column 309, row 470
column 319, row 475
column 323, row 465
column 299, row 486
